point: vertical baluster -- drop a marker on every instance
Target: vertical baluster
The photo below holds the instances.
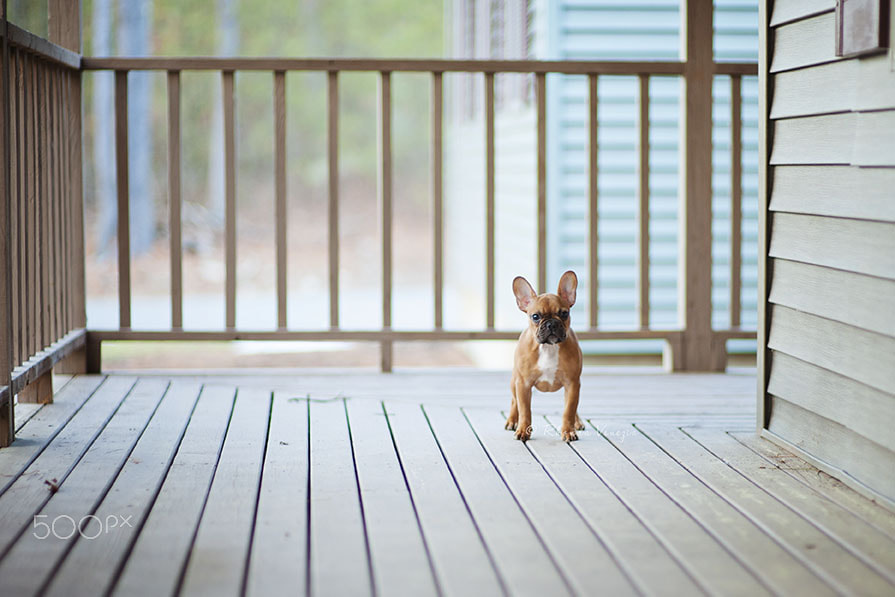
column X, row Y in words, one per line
column 229, row 197
column 45, row 256
column 13, row 124
column 121, row 166
column 279, row 105
column 593, row 196
column 736, row 198
column 174, row 203
column 7, row 417
column 385, row 193
column 541, row 85
column 32, row 261
column 437, row 197
column 332, row 136
column 643, row 206
column 489, row 200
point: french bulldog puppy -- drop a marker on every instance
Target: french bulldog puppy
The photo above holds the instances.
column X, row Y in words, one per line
column 547, row 356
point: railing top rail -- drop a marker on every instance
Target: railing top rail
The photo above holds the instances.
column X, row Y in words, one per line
column 45, row 49
column 569, row 67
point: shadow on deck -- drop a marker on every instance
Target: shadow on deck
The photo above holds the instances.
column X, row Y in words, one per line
column 350, row 483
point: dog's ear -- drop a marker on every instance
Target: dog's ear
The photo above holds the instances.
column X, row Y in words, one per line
column 525, row 294
column 568, row 285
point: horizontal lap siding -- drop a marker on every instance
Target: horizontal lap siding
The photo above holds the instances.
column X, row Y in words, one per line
column 831, row 261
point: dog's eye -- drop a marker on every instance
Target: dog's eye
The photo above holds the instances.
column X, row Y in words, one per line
column 563, row 314
column 535, row 317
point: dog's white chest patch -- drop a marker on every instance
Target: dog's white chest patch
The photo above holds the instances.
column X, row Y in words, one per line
column 548, row 361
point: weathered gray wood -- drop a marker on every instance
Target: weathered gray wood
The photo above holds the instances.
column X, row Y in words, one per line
column 866, row 411
column 831, row 191
column 864, row 541
column 518, row 553
column 28, row 492
column 279, row 557
column 827, row 559
column 157, row 559
column 864, row 356
column 442, row 513
column 339, row 562
column 583, row 558
column 217, row 561
column 90, row 566
column 30, row 561
column 804, row 43
column 773, row 567
column 785, row 11
column 651, row 568
column 819, row 481
column 710, row 566
column 839, row 448
column 853, row 245
column 827, row 139
column 398, row 552
column 855, row 299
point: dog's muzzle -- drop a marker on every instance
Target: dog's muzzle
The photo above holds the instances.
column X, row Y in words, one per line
column 551, row 331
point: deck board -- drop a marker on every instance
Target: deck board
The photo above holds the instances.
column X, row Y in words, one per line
column 443, row 513
column 714, row 568
column 217, row 562
column 525, row 564
column 826, row 558
column 280, row 544
column 398, row 553
column 652, row 569
column 580, row 554
column 407, row 484
column 123, row 510
column 156, row 561
column 775, row 568
column 27, row 566
column 339, row 555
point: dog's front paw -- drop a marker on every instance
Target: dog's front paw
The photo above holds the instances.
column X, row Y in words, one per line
column 523, row 432
column 579, row 424
column 510, row 424
column 569, row 435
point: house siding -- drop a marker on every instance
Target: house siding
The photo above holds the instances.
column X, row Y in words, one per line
column 830, row 267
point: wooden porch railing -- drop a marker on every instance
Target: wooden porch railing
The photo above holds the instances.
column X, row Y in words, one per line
column 705, row 352
column 42, row 293
column 42, row 299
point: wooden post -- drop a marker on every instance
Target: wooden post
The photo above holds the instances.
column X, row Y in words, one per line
column 174, row 205
column 699, row 349
column 64, row 27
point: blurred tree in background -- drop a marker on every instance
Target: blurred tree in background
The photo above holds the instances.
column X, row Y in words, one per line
column 309, row 28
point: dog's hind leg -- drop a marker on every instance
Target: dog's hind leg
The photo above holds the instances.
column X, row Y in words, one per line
column 514, row 409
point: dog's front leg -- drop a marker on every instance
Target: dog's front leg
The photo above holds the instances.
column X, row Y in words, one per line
column 514, row 410
column 570, row 418
column 523, row 406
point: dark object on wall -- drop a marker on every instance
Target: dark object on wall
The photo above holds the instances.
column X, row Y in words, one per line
column 862, row 26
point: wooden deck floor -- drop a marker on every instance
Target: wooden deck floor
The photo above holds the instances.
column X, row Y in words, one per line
column 407, row 484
